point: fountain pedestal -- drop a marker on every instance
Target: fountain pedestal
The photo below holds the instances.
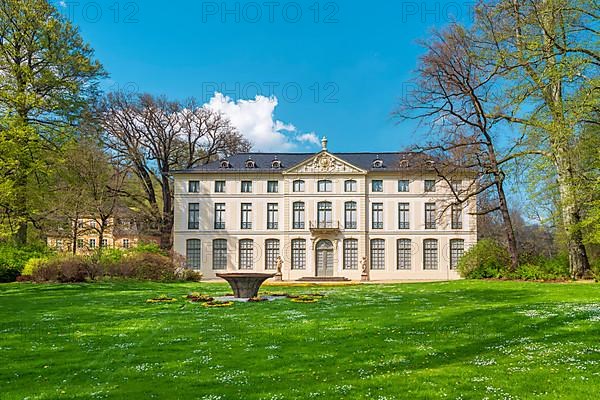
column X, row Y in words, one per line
column 245, row 285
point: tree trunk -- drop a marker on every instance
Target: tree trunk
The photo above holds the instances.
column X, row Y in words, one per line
column 578, row 260
column 508, row 227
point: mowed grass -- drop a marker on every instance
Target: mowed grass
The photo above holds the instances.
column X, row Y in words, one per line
column 457, row 340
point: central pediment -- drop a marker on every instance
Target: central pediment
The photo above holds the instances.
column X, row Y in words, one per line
column 325, row 163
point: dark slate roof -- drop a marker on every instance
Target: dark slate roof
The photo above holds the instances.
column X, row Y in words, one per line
column 263, row 161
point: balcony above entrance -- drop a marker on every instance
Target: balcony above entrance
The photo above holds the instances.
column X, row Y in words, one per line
column 323, row 227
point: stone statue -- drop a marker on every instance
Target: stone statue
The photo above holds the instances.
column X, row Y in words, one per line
column 279, row 264
column 363, row 265
column 365, row 271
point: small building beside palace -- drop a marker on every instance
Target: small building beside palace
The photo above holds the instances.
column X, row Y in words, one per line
column 388, row 216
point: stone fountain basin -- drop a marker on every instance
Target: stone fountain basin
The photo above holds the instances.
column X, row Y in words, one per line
column 245, row 285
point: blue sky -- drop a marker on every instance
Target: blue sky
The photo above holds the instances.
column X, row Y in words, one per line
column 336, row 68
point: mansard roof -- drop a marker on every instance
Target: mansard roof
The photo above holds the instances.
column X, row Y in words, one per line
column 263, row 162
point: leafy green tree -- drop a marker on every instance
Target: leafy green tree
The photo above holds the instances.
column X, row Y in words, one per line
column 48, row 77
column 549, row 53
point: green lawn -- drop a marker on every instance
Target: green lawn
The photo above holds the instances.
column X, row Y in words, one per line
column 459, row 340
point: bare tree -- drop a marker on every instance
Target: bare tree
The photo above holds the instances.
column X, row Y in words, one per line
column 157, row 136
column 453, row 93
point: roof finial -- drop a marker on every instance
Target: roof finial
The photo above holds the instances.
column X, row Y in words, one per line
column 324, row 143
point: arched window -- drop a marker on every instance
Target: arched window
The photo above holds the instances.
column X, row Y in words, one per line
column 271, row 253
column 430, row 254
column 350, row 254
column 377, row 254
column 219, row 254
column 457, row 249
column 378, row 163
column 193, row 253
column 404, row 252
column 298, row 254
column 350, row 185
column 250, row 163
column 246, row 254
column 298, row 215
column 324, row 186
column 324, row 215
column 298, row 185
column 225, row 164
column 276, row 164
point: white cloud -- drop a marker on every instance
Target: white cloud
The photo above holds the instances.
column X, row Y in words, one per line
column 255, row 120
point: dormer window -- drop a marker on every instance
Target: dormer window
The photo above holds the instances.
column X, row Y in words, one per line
column 250, row 163
column 404, row 163
column 378, row 163
column 225, row 164
column 430, row 163
column 276, row 164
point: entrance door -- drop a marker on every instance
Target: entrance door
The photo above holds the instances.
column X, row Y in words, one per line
column 325, row 258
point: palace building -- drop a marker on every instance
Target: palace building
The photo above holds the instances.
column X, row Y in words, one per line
column 376, row 216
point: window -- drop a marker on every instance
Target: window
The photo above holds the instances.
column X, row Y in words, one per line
column 298, row 186
column 324, row 186
column 192, row 253
column 225, row 164
column 351, row 254
column 219, row 215
column 250, row 163
column 457, row 216
column 404, row 253
column 429, row 185
column 59, row 244
column 298, row 254
column 193, row 186
column 80, row 224
column 219, row 186
column 403, row 185
column 125, row 243
column 246, row 186
column 430, row 216
column 219, row 254
column 272, row 215
column 324, row 215
column 246, row 254
column 350, row 215
column 93, row 224
column 377, row 186
column 276, row 164
column 80, row 243
column 193, row 216
column 456, row 186
column 430, row 254
column 298, row 216
column 92, row 243
column 350, row 186
column 377, row 163
column 377, row 254
column 403, row 216
column 272, row 187
column 457, row 249
column 377, row 215
column 246, row 216
column 272, row 253
column 103, row 243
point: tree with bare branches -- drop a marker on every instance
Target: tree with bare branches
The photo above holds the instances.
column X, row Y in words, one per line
column 453, row 94
column 156, row 136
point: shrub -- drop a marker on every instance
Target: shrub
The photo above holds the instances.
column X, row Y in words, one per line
column 13, row 259
column 33, row 264
column 487, row 259
column 150, row 266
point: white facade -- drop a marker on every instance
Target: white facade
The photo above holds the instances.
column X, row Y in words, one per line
column 397, row 244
